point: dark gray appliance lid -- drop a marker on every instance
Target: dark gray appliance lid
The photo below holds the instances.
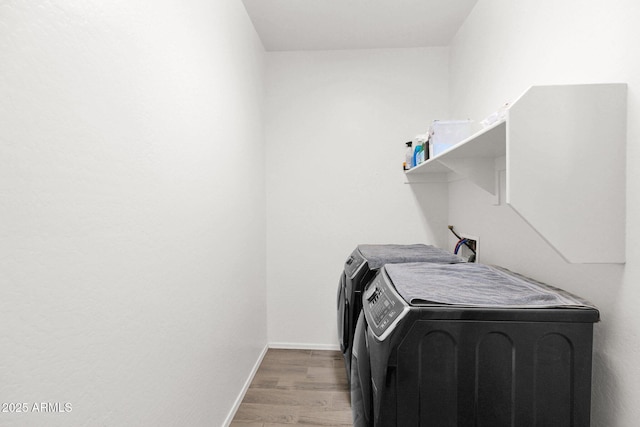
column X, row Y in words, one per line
column 475, row 285
column 379, row 255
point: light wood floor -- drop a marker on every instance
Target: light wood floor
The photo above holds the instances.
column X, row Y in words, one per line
column 297, row 387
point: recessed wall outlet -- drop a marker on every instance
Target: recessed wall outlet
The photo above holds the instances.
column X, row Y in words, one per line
column 467, row 253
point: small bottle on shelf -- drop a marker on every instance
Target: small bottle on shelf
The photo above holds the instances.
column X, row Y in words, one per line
column 408, row 156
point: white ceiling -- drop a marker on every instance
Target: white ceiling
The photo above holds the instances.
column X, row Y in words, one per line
column 356, row 24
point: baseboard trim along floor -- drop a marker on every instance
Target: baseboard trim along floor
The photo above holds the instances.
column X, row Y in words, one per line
column 299, row 346
column 245, row 387
column 294, row 386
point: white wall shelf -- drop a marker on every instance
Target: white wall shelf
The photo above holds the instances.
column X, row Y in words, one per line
column 473, row 158
column 565, row 150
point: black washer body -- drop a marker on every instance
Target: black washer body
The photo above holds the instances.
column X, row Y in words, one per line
column 448, row 366
column 359, row 268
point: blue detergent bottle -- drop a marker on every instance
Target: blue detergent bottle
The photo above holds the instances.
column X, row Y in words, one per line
column 416, row 155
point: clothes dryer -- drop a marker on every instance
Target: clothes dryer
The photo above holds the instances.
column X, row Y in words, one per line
column 361, row 395
column 360, row 267
column 471, row 345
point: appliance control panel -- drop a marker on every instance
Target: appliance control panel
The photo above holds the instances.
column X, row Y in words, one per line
column 383, row 306
column 353, row 264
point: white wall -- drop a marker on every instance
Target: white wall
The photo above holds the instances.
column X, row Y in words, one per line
column 503, row 48
column 336, row 123
column 132, row 193
column 132, row 210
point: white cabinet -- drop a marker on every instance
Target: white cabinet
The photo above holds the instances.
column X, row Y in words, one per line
column 565, row 151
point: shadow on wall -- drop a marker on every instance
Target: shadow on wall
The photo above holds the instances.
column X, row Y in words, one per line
column 433, row 203
column 604, row 390
column 608, row 342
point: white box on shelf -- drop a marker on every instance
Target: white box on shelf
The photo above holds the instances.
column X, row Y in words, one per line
column 447, row 133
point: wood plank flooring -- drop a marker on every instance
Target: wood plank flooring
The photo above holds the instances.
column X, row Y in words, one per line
column 297, row 387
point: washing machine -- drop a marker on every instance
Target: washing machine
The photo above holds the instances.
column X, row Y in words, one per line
column 470, row 345
column 360, row 267
column 361, row 395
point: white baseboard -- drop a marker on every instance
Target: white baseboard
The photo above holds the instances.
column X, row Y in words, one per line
column 306, row 346
column 279, row 345
column 247, row 383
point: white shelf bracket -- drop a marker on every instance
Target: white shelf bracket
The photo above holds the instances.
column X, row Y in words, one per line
column 480, row 171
